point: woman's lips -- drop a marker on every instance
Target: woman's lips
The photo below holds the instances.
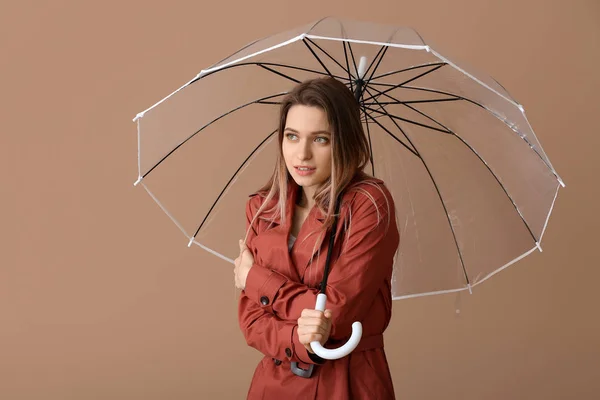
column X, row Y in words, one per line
column 304, row 171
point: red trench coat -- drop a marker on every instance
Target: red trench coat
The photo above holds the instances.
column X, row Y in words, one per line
column 282, row 283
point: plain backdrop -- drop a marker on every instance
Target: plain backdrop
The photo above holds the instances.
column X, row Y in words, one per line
column 100, row 297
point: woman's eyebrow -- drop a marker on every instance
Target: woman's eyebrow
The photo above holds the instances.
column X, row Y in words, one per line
column 312, row 133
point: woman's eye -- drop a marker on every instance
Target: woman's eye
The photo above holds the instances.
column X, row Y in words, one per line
column 321, row 139
column 291, row 136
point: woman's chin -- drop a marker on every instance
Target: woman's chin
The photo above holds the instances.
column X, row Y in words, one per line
column 304, row 180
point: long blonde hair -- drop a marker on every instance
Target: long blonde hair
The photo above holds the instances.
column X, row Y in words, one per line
column 349, row 147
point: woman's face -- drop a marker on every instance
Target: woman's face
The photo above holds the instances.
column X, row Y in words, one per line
column 307, row 146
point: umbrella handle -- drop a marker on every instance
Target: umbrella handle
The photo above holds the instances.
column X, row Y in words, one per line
column 344, row 350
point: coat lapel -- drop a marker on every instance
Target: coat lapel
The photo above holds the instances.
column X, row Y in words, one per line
column 309, row 242
column 276, row 237
column 311, row 245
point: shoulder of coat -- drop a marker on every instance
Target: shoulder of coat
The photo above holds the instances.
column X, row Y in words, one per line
column 369, row 188
column 254, row 201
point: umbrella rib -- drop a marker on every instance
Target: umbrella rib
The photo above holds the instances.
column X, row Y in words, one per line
column 379, row 58
column 207, row 125
column 394, row 136
column 422, row 89
column 368, row 112
column 231, row 180
column 385, row 103
column 473, row 151
column 531, row 146
column 278, row 73
column 407, row 120
column 353, row 59
column 417, row 111
column 408, row 69
column 423, row 74
column 316, row 56
column 244, row 64
column 486, row 165
column 460, row 256
column 410, row 80
column 370, row 144
column 501, row 185
column 348, row 68
column 372, row 111
column 327, row 54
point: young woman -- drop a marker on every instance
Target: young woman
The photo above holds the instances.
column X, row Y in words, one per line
column 323, row 151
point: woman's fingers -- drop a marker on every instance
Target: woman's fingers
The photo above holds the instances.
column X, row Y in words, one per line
column 314, row 325
column 313, row 328
column 307, row 339
column 307, row 312
column 315, row 317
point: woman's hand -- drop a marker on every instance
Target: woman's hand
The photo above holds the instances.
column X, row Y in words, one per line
column 242, row 265
column 314, row 325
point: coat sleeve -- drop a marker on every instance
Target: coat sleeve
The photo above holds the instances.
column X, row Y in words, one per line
column 271, row 335
column 356, row 276
column 262, row 329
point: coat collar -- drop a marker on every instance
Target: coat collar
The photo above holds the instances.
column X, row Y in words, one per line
column 293, row 191
column 311, row 238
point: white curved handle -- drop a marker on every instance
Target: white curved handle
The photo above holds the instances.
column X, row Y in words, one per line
column 347, row 348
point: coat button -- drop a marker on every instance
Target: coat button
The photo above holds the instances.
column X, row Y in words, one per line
column 264, row 300
column 288, row 352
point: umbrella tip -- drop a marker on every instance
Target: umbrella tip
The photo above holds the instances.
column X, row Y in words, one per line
column 138, row 116
column 362, row 67
column 539, row 247
column 191, row 241
column 139, row 179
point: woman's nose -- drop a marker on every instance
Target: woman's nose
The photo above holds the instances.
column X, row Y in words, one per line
column 304, row 151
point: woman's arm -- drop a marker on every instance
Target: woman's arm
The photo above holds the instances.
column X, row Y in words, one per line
column 271, row 335
column 264, row 331
column 355, row 278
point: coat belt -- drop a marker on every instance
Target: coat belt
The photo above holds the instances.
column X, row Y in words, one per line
column 366, row 343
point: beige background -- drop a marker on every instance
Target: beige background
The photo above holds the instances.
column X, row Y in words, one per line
column 101, row 299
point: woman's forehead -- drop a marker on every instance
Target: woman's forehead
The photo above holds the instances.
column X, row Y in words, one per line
column 307, row 119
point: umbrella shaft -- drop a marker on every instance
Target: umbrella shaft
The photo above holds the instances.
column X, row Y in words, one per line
column 358, row 89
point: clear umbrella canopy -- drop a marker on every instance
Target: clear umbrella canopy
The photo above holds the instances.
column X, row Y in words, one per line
column 473, row 187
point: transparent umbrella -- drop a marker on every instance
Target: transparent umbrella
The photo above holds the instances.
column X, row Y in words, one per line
column 472, row 185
